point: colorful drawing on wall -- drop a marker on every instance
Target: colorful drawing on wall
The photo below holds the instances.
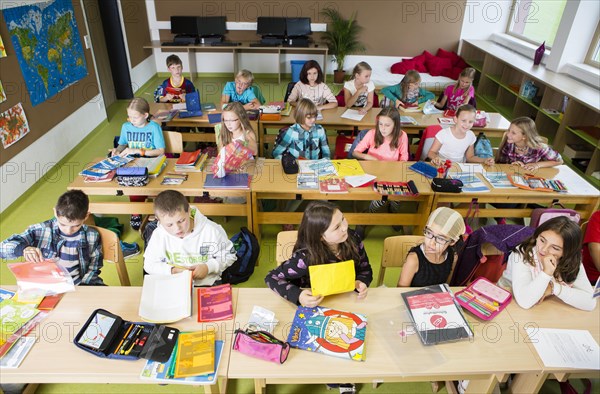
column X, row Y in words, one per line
column 2, row 49
column 48, row 47
column 13, row 125
column 2, row 94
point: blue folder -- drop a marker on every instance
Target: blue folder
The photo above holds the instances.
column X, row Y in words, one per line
column 192, row 105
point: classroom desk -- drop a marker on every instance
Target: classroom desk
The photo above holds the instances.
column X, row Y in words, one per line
column 313, row 49
column 552, row 313
column 273, row 183
column 488, row 358
column 55, row 359
column 196, row 121
column 332, row 121
column 583, row 195
column 192, row 187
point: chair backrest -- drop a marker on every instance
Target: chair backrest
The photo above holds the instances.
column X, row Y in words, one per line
column 258, row 94
column 285, row 245
column 426, row 141
column 173, row 141
column 394, row 252
column 288, row 91
column 111, row 251
column 359, row 137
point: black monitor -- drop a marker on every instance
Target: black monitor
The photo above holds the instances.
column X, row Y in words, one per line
column 298, row 27
column 185, row 25
column 270, row 26
column 211, row 25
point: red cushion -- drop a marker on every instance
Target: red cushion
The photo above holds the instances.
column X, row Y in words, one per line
column 447, row 55
column 460, row 63
column 403, row 66
column 427, row 55
column 452, row 73
column 436, row 65
column 420, row 63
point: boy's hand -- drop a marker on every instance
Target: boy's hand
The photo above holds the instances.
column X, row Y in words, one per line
column 33, row 254
column 175, row 270
column 307, row 299
column 200, row 271
column 169, row 97
column 361, row 289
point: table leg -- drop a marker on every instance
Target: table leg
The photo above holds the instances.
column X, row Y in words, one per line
column 30, row 388
column 528, row 382
column 212, row 389
column 192, row 65
column 485, row 385
column 255, row 225
column 260, row 386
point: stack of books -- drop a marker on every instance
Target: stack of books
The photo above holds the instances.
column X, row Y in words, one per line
column 17, row 319
column 191, row 161
column 104, row 170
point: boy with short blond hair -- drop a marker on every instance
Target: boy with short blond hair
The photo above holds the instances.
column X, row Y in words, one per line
column 76, row 246
column 174, row 89
column 186, row 240
column 240, row 91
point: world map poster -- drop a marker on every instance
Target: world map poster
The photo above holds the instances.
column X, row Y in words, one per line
column 47, row 44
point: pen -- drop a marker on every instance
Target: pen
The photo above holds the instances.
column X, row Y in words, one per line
column 122, row 340
column 127, row 340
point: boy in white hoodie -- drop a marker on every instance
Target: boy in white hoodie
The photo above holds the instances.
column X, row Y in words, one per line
column 186, row 239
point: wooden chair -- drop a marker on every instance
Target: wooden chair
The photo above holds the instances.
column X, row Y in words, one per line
column 111, row 250
column 173, row 142
column 285, row 245
column 394, row 252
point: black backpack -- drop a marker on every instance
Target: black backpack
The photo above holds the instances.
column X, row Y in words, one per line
column 247, row 249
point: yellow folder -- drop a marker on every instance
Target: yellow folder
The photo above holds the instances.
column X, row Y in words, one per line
column 332, row 278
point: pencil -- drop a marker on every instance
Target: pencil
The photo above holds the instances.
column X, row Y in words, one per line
column 124, row 336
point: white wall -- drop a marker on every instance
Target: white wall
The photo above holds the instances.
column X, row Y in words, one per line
column 485, row 17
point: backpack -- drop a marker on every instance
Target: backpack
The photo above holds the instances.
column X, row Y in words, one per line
column 483, row 147
column 555, row 209
column 247, row 249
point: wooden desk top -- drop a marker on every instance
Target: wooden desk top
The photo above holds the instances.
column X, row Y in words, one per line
column 271, row 178
column 390, row 357
column 553, row 313
column 195, row 121
column 244, row 45
column 55, row 359
column 193, row 186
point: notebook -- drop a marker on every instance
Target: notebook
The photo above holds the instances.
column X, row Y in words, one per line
column 229, row 181
column 192, row 105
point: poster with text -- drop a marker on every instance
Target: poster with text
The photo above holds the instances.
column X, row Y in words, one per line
column 13, row 125
column 48, row 47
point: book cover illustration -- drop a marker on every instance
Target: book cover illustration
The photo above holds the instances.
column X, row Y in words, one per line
column 215, row 303
column 231, row 158
column 333, row 185
column 5, row 294
column 105, row 166
column 195, row 354
column 329, row 331
column 13, row 315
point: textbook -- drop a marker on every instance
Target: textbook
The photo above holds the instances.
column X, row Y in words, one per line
column 333, row 185
column 195, row 354
column 154, row 164
column 229, row 181
column 102, row 178
column 332, row 278
column 329, row 331
column 21, row 332
column 105, row 166
column 17, row 353
column 437, row 317
column 160, row 372
column 215, row 303
column 13, row 316
column 166, row 298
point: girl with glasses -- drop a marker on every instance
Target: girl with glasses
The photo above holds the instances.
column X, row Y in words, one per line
column 235, row 126
column 431, row 262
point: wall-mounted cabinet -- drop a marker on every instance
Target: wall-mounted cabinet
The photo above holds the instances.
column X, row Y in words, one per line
column 565, row 111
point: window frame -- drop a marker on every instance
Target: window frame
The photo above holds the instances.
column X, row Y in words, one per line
column 593, row 49
column 514, row 8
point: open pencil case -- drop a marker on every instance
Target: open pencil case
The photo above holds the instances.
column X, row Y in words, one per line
column 109, row 336
column 483, row 298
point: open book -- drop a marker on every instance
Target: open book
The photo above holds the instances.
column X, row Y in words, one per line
column 166, row 298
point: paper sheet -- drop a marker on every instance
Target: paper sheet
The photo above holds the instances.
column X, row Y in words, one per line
column 470, row 167
column 352, row 114
column 575, row 184
column 565, row 348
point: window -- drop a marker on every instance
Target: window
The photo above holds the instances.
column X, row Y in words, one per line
column 536, row 21
column 593, row 55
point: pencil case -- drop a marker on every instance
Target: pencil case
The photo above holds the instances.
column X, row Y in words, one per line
column 132, row 176
column 261, row 344
column 109, row 336
column 483, row 298
column 270, row 117
column 446, row 185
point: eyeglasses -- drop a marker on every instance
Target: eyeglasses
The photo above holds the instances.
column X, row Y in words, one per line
column 311, row 116
column 242, row 83
column 438, row 238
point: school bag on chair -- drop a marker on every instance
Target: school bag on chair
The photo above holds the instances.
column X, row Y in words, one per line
column 471, row 258
column 247, row 250
column 483, row 146
column 555, row 209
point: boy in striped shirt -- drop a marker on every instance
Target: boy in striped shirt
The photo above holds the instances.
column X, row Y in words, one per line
column 76, row 246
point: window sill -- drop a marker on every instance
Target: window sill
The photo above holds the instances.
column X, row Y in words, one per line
column 584, row 73
column 521, row 47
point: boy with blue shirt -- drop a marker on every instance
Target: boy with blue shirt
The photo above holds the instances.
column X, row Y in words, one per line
column 76, row 246
column 174, row 89
column 240, row 91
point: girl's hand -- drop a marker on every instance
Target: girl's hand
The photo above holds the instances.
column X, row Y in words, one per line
column 363, row 89
column 361, row 288
column 437, row 161
column 200, row 271
column 307, row 299
column 531, row 167
column 362, row 111
column 549, row 263
column 33, row 254
column 489, row 161
column 399, row 104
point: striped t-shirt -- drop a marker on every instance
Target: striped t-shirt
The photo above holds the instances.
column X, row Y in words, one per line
column 69, row 255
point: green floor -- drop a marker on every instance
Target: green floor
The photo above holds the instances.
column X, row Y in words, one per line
column 36, row 206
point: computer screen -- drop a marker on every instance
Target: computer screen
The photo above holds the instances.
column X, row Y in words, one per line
column 270, row 26
column 212, row 25
column 184, row 25
column 298, row 27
